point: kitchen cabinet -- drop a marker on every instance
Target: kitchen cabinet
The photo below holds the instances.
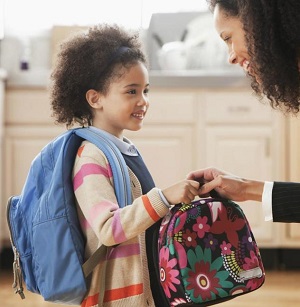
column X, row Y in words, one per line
column 28, row 127
column 246, row 137
column 185, row 129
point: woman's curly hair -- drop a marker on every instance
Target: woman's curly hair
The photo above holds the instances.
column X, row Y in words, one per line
column 90, row 60
column 272, row 30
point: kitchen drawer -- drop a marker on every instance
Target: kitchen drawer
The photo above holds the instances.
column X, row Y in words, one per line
column 236, row 107
column 27, row 106
column 171, row 107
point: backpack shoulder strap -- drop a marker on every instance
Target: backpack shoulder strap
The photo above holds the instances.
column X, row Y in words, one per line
column 94, row 259
column 115, row 159
column 120, row 177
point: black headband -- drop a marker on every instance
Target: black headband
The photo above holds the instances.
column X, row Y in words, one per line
column 116, row 54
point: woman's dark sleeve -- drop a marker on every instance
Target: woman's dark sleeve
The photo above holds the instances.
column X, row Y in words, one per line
column 286, row 202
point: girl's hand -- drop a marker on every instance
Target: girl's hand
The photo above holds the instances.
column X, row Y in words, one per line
column 182, row 192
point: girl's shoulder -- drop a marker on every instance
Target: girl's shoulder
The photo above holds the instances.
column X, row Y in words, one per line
column 88, row 150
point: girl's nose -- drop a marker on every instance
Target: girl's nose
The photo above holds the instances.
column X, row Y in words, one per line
column 143, row 100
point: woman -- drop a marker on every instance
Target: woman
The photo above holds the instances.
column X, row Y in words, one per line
column 263, row 37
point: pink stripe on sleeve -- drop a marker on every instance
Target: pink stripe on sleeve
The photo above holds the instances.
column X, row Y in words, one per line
column 97, row 209
column 117, row 229
column 89, row 169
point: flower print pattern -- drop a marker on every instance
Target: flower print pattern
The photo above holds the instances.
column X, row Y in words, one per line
column 178, row 301
column 201, row 226
column 205, row 251
column 204, row 276
column 189, row 238
column 226, row 248
column 168, row 275
column 210, row 242
column 181, row 254
column 230, row 224
column 254, row 283
column 248, row 242
column 215, row 207
column 252, row 262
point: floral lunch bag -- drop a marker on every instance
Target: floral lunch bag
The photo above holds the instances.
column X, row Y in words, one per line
column 207, row 254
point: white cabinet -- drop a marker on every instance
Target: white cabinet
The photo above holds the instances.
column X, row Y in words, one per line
column 243, row 137
column 244, row 151
column 167, row 152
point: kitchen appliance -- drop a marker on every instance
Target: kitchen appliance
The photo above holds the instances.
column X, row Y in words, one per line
column 165, row 28
column 185, row 41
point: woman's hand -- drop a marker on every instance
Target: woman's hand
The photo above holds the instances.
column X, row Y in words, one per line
column 227, row 185
column 182, row 192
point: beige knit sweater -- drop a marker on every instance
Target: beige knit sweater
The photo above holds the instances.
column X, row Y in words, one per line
column 121, row 279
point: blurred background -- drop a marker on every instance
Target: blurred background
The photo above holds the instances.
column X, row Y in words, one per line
column 202, row 112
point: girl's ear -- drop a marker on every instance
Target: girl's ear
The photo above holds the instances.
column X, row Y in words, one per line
column 93, row 98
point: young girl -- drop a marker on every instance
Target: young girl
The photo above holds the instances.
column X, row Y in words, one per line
column 101, row 80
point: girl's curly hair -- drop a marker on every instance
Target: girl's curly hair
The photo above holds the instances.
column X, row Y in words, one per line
column 272, row 30
column 90, row 60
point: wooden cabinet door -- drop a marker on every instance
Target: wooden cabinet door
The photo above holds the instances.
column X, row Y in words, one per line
column 244, row 151
column 167, row 151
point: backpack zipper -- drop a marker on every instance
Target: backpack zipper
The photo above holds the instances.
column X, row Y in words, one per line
column 17, row 271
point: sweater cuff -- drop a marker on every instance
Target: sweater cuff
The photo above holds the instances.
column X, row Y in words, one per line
column 162, row 196
column 157, row 202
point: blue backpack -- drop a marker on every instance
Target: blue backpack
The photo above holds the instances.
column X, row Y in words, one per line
column 46, row 237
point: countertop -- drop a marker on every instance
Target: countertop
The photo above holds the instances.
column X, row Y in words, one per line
column 198, row 78
column 165, row 79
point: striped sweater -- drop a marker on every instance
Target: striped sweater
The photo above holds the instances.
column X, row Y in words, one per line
column 123, row 278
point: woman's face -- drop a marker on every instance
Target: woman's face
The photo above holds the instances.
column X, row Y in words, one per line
column 231, row 32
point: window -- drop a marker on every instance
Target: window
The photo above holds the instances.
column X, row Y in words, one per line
column 30, row 17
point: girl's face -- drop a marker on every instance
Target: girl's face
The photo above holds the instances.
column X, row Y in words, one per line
column 231, row 32
column 126, row 102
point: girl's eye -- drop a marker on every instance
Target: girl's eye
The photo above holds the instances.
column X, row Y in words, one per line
column 146, row 90
column 132, row 92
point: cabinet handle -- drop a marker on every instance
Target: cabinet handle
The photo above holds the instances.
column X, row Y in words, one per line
column 267, row 147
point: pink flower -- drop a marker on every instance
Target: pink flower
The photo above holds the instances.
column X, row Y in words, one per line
column 252, row 262
column 168, row 275
column 201, row 227
column 226, row 248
